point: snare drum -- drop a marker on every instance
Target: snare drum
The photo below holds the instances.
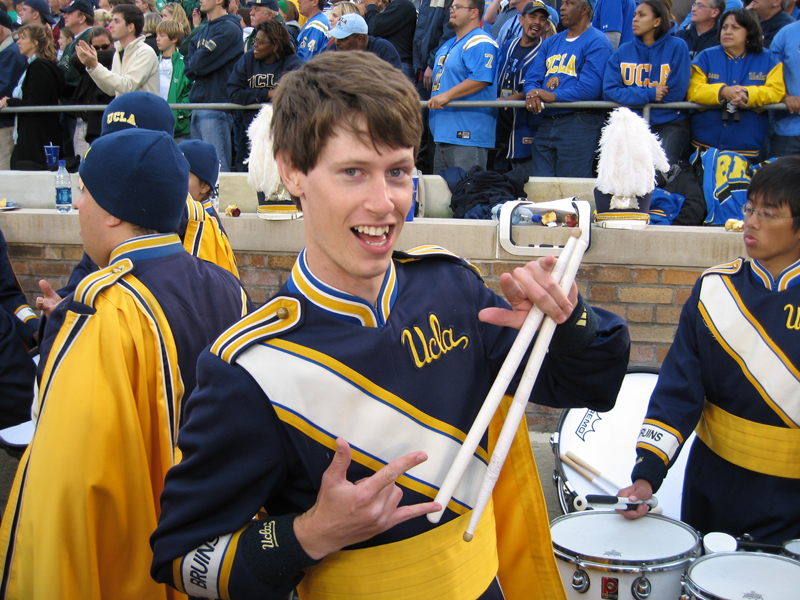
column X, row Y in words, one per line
column 737, row 575
column 603, row 555
column 792, row 549
column 607, row 441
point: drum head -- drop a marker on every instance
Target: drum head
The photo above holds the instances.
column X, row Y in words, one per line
column 601, row 536
column 607, row 441
column 792, row 549
column 735, row 575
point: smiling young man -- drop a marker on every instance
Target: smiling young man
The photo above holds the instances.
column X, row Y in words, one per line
column 368, row 363
column 733, row 367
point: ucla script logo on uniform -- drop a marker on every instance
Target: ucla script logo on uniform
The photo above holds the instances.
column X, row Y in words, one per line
column 428, row 347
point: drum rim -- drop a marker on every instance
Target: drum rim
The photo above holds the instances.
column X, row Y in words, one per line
column 786, row 552
column 555, row 445
column 626, row 566
column 695, row 588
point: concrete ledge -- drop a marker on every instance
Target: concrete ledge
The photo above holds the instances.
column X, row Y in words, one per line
column 689, row 247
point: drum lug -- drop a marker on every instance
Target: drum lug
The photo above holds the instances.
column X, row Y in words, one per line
column 641, row 588
column 580, row 581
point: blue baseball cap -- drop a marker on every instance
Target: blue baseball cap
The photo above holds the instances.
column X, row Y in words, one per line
column 139, row 176
column 142, row 110
column 43, row 8
column 82, row 5
column 270, row 4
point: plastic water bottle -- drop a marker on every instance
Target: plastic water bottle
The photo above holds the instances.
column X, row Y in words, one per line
column 520, row 216
column 63, row 189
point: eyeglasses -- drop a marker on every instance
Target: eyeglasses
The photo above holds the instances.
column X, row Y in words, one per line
column 258, row 42
column 103, row 47
column 764, row 215
column 454, row 8
column 698, row 5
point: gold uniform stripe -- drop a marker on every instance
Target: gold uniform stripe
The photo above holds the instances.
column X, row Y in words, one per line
column 665, row 427
column 761, row 448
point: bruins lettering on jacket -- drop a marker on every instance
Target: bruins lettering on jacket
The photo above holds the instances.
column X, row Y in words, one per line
column 425, row 347
column 561, row 63
column 639, row 74
column 262, row 80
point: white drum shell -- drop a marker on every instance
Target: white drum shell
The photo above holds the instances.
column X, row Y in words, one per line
column 737, row 575
column 605, row 544
column 607, row 441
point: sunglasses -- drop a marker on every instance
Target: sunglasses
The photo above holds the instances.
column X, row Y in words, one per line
column 103, row 47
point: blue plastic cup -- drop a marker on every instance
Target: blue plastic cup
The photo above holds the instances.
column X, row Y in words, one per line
column 51, row 155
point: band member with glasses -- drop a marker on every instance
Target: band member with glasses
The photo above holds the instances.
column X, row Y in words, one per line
column 731, row 375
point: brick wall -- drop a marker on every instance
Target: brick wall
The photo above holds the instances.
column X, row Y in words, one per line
column 649, row 298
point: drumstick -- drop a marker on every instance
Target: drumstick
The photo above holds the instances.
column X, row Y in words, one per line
column 498, row 389
column 598, row 483
column 577, row 459
column 612, row 501
column 517, row 409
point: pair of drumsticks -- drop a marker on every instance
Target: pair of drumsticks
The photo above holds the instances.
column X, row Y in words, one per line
column 564, row 272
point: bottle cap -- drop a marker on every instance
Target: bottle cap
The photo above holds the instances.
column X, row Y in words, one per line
column 62, row 163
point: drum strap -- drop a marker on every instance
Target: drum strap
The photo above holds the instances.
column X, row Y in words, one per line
column 761, row 448
column 435, row 564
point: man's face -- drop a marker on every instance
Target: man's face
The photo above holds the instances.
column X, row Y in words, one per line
column 355, row 201
column 119, row 29
column 570, row 13
column 533, row 25
column 207, row 5
column 101, row 42
column 764, row 8
column 307, row 6
column 141, row 6
column 773, row 242
column 460, row 14
column 73, row 19
column 28, row 16
column 351, row 42
column 93, row 220
column 260, row 14
column 702, row 11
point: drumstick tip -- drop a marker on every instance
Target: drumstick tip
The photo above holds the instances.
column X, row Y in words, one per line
column 468, row 536
column 576, row 232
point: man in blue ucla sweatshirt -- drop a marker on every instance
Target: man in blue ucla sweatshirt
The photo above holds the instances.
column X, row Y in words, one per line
column 568, row 68
column 213, row 52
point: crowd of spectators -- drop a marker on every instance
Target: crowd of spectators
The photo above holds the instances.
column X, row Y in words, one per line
column 723, row 54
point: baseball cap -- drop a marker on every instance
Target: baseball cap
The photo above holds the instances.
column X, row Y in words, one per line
column 139, row 176
column 349, row 24
column 554, row 18
column 530, row 7
column 82, row 5
column 5, row 20
column 203, row 160
column 270, row 4
column 138, row 109
column 43, row 8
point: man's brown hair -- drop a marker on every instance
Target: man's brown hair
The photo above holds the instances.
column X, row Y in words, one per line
column 350, row 91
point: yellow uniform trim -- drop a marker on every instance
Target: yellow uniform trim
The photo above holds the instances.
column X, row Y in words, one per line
column 369, row 387
column 666, row 427
column 436, row 564
column 761, row 448
column 729, row 268
column 227, row 564
column 655, row 450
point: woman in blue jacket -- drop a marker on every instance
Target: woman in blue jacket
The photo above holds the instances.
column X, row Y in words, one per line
column 734, row 75
column 653, row 68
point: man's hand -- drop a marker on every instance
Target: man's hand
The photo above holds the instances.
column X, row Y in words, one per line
column 4, row 102
column 197, row 18
column 347, row 513
column 640, row 490
column 661, row 91
column 86, row 54
column 529, row 285
column 792, row 103
column 437, row 102
column 735, row 94
column 427, row 79
column 535, row 99
column 50, row 300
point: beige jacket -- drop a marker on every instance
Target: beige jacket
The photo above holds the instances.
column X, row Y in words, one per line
column 136, row 71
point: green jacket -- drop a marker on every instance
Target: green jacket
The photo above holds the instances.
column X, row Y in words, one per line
column 71, row 75
column 179, row 94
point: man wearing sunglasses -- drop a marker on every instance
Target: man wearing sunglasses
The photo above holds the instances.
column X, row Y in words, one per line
column 731, row 375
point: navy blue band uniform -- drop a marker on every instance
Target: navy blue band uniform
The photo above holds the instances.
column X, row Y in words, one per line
column 121, row 364
column 406, row 374
column 732, row 373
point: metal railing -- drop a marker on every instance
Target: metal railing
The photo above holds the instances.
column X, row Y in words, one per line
column 594, row 104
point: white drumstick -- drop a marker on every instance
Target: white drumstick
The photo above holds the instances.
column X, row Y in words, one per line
column 577, row 459
column 517, row 409
column 498, row 389
column 580, row 470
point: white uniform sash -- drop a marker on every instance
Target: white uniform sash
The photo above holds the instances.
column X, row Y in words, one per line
column 742, row 336
column 325, row 399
